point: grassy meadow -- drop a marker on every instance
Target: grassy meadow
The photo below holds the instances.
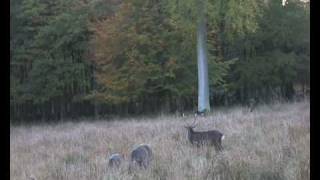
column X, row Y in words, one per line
column 270, row 143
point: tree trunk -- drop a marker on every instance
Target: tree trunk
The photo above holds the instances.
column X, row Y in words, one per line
column 96, row 110
column 203, row 81
column 61, row 110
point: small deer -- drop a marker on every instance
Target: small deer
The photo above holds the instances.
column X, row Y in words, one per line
column 212, row 137
column 252, row 104
column 142, row 156
column 115, row 160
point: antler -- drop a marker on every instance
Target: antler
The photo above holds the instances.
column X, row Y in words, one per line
column 194, row 122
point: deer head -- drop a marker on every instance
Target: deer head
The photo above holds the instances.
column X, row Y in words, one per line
column 190, row 127
column 193, row 125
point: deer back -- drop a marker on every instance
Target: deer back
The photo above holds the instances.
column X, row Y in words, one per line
column 142, row 155
column 212, row 137
column 115, row 160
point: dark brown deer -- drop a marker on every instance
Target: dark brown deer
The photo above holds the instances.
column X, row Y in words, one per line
column 212, row 137
column 115, row 160
column 141, row 156
column 252, row 104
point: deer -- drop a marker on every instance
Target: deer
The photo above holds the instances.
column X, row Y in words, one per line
column 115, row 160
column 212, row 137
column 141, row 156
column 252, row 104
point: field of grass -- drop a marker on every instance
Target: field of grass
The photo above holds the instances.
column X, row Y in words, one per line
column 270, row 143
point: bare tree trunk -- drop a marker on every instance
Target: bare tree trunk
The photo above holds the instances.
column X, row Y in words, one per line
column 61, row 110
column 203, row 81
column 96, row 110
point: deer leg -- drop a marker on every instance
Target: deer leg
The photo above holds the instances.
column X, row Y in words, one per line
column 220, row 147
column 145, row 164
column 219, row 144
column 140, row 163
column 217, row 147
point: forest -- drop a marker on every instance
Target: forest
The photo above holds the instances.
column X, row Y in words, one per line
column 72, row 59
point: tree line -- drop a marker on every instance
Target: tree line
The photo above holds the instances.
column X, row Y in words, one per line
column 77, row 58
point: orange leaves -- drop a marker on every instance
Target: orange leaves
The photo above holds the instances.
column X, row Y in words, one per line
column 133, row 52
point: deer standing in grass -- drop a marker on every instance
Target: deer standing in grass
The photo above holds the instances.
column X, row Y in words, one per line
column 115, row 160
column 212, row 137
column 252, row 104
column 141, row 156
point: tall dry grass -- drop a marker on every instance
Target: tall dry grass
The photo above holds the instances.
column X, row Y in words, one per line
column 272, row 142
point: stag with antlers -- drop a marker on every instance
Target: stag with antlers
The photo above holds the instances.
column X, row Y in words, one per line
column 212, row 137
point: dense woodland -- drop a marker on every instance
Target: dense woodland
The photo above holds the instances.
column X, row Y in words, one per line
column 93, row 58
